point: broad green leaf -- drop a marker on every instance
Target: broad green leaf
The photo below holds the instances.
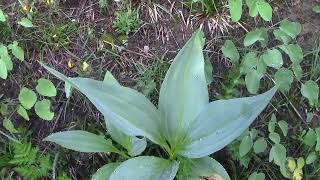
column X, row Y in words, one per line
column 284, row 78
column 312, row 157
column 273, row 58
column 310, row 116
column 292, row 29
column 316, row 8
column 259, row 145
column 260, row 34
column 278, row 154
column 245, row 145
column 42, row 109
column 23, row 112
column 261, row 67
column 265, row 10
column 310, row 90
column 300, row 163
column 284, row 127
column 184, row 91
column 281, row 36
column 3, row 51
column 46, row 88
column 222, row 121
column 274, row 137
column 257, row 176
column 253, row 9
column 8, row 125
column 297, row 70
column 230, row 51
column 249, row 62
column 294, row 51
column 195, row 169
column 3, row 17
column 25, row 22
column 140, row 117
column 3, row 70
column 27, row 98
column 252, row 80
column 310, row 138
column 291, row 164
column 17, row 51
column 235, row 7
column 146, row 167
column 7, row 60
column 105, row 171
column 82, row 141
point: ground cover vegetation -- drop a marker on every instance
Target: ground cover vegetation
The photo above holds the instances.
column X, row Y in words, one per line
column 159, row 89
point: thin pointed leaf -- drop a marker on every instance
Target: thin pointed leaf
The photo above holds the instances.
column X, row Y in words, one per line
column 222, row 121
column 184, row 91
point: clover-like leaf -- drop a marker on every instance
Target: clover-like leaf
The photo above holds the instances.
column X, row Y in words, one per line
column 284, row 78
column 230, row 51
column 27, row 98
column 43, row 109
column 17, row 51
column 273, row 58
column 292, row 29
column 310, row 90
column 265, row 10
column 46, row 88
column 23, row 112
column 25, row 22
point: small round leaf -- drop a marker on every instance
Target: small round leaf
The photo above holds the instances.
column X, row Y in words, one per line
column 42, row 109
column 27, row 98
column 46, row 88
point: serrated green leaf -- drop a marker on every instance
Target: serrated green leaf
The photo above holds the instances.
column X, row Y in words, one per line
column 230, row 51
column 312, row 157
column 260, row 145
column 284, row 78
column 245, row 145
column 252, row 80
column 25, row 22
column 274, row 137
column 17, row 51
column 278, row 154
column 294, row 51
column 7, row 124
column 27, row 98
column 43, row 109
column 260, row 35
column 284, row 127
column 273, row 58
column 265, row 10
column 310, row 90
column 82, row 141
column 146, row 167
column 257, row 176
column 105, row 171
column 222, row 121
column 235, row 7
column 292, row 29
column 249, row 62
column 46, row 88
column 23, row 112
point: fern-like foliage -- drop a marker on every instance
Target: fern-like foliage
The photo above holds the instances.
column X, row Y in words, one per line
column 28, row 162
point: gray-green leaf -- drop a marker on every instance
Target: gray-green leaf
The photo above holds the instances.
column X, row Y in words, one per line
column 284, row 127
column 273, row 58
column 105, row 171
column 25, row 22
column 222, row 121
column 235, row 7
column 146, row 167
column 46, row 88
column 274, row 137
column 260, row 34
column 82, row 141
column 252, row 80
column 245, row 145
column 294, row 51
column 27, row 98
column 257, row 176
column 284, row 78
column 23, row 113
column 42, row 109
column 278, row 154
column 312, row 157
column 259, row 145
column 265, row 10
column 292, row 29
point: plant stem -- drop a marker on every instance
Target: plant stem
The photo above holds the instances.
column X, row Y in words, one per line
column 9, row 137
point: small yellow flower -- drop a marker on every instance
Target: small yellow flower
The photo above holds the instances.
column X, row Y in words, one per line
column 70, row 63
column 85, row 66
column 25, row 8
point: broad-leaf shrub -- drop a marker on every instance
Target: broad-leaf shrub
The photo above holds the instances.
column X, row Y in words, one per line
column 185, row 124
